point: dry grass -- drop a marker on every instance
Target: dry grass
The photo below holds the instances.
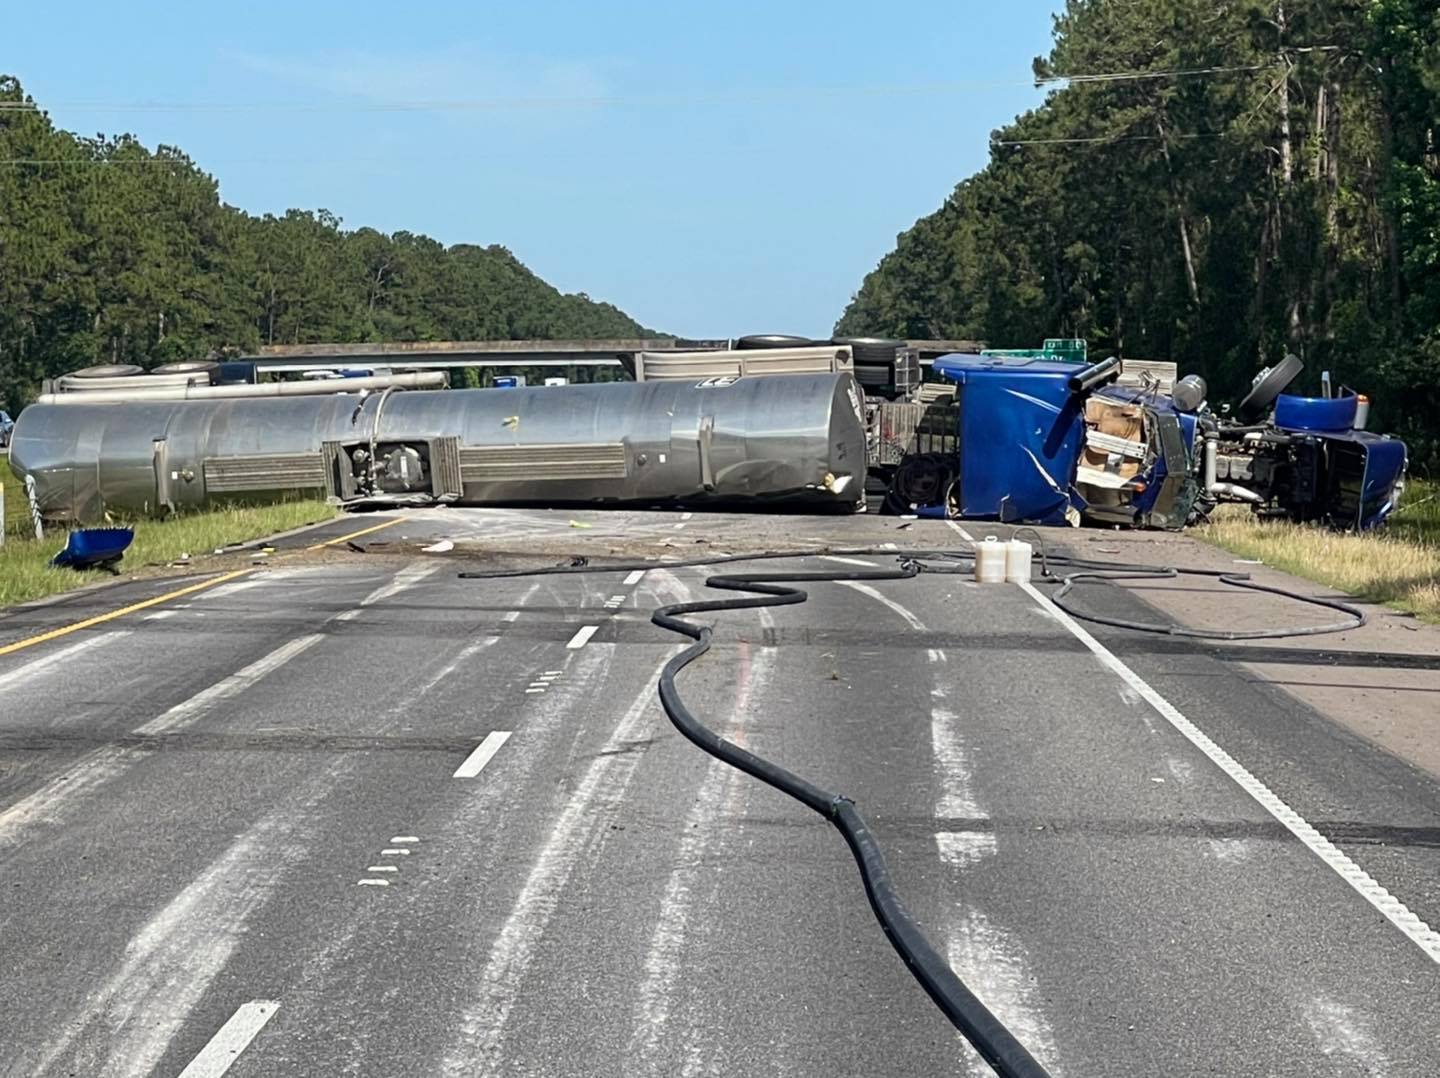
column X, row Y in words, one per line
column 25, row 571
column 1398, row 565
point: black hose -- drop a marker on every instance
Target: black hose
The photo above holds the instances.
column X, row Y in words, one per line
column 989, row 1036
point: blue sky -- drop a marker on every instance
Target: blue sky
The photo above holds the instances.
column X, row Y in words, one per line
column 713, row 169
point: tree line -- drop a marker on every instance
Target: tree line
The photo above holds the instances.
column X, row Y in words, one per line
column 114, row 253
column 1212, row 183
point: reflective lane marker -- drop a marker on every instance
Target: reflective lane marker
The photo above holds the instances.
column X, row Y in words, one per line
column 634, row 577
column 99, row 619
column 582, row 636
column 1395, row 911
column 232, row 1038
column 476, row 761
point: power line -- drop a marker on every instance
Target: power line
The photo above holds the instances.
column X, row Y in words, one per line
column 612, row 101
column 1103, row 138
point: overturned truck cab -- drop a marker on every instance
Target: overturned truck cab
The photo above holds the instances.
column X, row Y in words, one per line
column 1047, row 440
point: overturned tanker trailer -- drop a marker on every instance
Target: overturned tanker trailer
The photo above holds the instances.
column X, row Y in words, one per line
column 796, row 439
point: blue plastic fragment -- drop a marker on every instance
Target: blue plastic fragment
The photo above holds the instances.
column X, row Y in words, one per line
column 91, row 547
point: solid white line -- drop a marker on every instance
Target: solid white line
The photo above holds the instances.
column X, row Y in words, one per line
column 634, row 577
column 476, row 761
column 231, row 1039
column 37, row 666
column 582, row 636
column 963, row 533
column 1395, row 911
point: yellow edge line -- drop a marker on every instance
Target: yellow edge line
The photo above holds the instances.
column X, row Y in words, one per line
column 356, row 535
column 66, row 630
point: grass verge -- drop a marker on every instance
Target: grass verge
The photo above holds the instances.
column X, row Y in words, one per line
column 1398, row 565
column 25, row 571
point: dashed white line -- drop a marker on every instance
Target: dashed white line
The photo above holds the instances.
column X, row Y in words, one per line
column 511, row 615
column 534, row 692
column 582, row 636
column 849, row 561
column 686, row 516
column 382, row 868
column 396, row 840
column 634, row 577
column 396, row 851
column 1390, row 907
column 231, row 1039
column 483, row 754
column 372, row 883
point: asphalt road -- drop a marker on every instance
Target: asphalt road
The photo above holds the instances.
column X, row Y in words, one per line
column 362, row 817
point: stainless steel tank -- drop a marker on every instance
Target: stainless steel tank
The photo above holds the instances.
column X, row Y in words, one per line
column 719, row 441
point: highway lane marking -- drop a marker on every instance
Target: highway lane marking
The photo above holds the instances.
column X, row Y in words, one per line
column 231, row 1039
column 172, row 959
column 1390, row 907
column 582, row 636
column 372, row 883
column 188, row 710
column 634, row 577
column 483, row 754
column 511, row 615
column 40, row 665
column 595, row 800
column 686, row 516
column 885, row 600
column 848, row 561
column 355, row 535
column 100, row 619
column 382, row 868
column 105, row 764
column 397, row 840
column 963, row 533
column 722, row 793
column 396, row 851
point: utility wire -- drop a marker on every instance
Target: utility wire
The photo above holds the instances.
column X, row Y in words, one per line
column 544, row 103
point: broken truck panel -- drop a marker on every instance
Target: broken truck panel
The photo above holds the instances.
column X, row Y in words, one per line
column 1021, row 430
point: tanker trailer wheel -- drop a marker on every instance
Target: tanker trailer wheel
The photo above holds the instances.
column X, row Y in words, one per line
column 1269, row 384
